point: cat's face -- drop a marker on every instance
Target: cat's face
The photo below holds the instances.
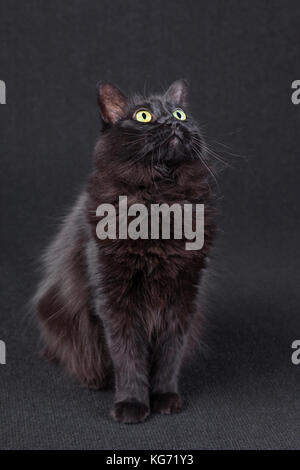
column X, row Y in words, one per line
column 155, row 130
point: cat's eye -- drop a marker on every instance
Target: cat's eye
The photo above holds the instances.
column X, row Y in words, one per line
column 143, row 116
column 179, row 114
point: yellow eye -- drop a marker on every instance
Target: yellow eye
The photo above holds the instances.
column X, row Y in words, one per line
column 143, row 116
column 179, row 114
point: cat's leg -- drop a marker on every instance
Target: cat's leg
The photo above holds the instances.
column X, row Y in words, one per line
column 129, row 352
column 166, row 362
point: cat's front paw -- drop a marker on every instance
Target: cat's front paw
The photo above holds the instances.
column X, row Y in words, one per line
column 166, row 403
column 130, row 411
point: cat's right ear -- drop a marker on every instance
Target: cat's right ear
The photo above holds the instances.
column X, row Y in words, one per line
column 112, row 102
column 177, row 93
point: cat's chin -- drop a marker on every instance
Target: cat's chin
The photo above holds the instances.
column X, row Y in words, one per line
column 176, row 151
column 174, row 142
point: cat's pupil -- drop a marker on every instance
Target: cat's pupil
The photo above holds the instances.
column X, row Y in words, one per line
column 144, row 115
column 178, row 115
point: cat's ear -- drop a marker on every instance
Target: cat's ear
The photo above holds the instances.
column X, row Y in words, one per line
column 112, row 102
column 177, row 93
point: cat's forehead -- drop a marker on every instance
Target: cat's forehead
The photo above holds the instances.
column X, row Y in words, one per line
column 154, row 103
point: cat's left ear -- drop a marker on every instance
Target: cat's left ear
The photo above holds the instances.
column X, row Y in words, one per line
column 113, row 104
column 177, row 93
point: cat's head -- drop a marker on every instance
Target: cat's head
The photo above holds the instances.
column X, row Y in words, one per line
column 157, row 129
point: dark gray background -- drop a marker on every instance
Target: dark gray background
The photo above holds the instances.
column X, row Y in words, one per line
column 240, row 59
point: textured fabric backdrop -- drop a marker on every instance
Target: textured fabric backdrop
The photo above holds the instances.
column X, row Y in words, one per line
column 240, row 59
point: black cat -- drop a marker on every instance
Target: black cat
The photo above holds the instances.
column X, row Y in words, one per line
column 129, row 311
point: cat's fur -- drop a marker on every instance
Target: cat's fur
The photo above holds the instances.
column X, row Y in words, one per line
column 128, row 311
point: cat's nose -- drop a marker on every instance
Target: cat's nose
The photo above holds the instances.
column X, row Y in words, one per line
column 175, row 125
column 177, row 129
column 170, row 124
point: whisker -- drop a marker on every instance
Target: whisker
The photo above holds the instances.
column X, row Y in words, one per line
column 216, row 156
column 204, row 163
column 212, row 152
column 238, row 155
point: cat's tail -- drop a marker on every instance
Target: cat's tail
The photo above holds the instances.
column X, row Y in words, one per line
column 74, row 338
